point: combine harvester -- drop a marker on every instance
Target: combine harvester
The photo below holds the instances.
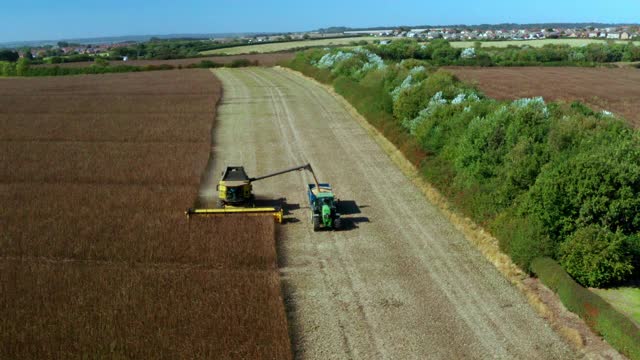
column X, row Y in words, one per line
column 235, row 196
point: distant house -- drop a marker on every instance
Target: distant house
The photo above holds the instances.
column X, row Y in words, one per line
column 593, row 34
column 625, row 36
column 614, row 36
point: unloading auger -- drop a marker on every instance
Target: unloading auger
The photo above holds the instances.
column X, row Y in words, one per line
column 235, row 194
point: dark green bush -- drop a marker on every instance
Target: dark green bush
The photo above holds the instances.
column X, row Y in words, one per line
column 599, row 185
column 523, row 239
column 596, row 256
column 412, row 100
column 242, row 63
column 155, row 67
column 207, row 64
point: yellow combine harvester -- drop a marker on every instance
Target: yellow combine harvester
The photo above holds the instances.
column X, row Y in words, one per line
column 235, row 194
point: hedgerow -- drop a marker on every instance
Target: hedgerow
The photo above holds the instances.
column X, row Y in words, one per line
column 617, row 329
column 24, row 68
column 440, row 52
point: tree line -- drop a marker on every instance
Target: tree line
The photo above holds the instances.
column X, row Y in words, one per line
column 440, row 52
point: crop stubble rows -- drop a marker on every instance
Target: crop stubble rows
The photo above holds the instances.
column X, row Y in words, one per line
column 96, row 257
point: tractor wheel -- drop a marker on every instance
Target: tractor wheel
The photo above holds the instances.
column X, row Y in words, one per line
column 316, row 223
column 337, row 224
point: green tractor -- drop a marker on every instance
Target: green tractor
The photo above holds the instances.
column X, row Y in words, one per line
column 324, row 211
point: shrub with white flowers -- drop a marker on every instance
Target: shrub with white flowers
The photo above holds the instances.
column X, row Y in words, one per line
column 406, row 83
column 468, row 53
column 535, row 101
column 374, row 62
column 412, row 124
column 329, row 60
column 369, row 61
column 522, row 102
column 416, row 69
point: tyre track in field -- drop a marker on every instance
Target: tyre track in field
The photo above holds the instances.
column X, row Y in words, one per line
column 402, row 283
column 286, row 126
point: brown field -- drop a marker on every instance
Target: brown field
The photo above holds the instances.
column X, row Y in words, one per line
column 97, row 258
column 615, row 90
column 270, row 59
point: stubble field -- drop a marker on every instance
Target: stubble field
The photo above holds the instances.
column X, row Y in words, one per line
column 97, row 258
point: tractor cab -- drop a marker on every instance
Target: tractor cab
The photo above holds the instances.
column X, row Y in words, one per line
column 324, row 212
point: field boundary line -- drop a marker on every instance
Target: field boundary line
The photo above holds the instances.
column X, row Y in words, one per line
column 482, row 240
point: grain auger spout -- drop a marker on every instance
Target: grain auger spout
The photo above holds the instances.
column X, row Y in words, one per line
column 235, row 194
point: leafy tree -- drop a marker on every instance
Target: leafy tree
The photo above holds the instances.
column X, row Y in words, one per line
column 523, row 239
column 598, row 186
column 596, row 257
column 63, row 44
column 27, row 53
column 22, row 67
column 101, row 62
column 9, row 55
column 7, row 68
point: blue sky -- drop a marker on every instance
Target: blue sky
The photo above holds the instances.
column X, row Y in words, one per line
column 46, row 19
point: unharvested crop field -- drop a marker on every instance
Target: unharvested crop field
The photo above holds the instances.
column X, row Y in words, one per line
column 290, row 45
column 615, row 90
column 535, row 43
column 97, row 258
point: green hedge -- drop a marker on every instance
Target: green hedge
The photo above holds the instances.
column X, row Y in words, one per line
column 616, row 328
column 23, row 68
column 440, row 52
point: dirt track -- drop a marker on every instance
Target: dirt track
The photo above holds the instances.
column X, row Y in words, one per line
column 401, row 282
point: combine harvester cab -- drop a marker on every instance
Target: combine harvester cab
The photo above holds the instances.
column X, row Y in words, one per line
column 324, row 211
column 234, row 188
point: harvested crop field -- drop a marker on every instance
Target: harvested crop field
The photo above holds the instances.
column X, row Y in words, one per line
column 615, row 90
column 97, row 258
column 262, row 60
